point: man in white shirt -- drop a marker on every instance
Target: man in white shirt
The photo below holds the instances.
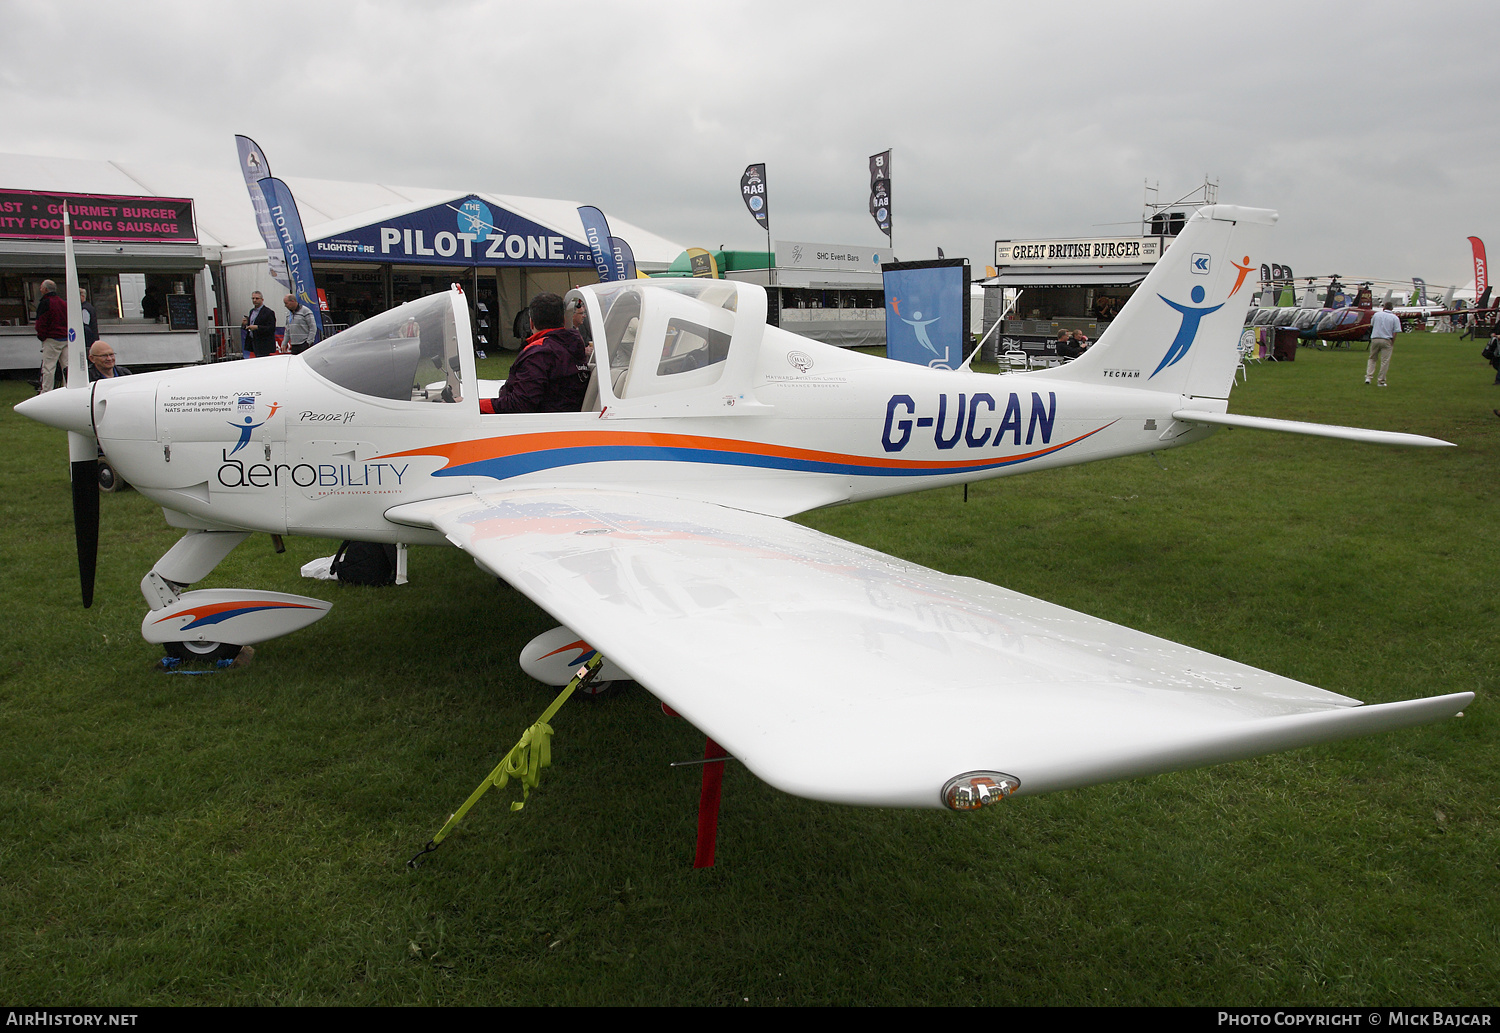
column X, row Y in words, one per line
column 1384, row 326
column 301, row 329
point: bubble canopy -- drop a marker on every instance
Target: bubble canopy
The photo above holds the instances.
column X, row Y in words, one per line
column 674, row 345
column 409, row 353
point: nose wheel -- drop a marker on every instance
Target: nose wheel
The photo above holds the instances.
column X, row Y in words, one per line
column 201, row 650
column 109, row 480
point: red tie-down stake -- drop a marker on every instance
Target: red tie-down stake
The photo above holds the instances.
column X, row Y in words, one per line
column 713, row 760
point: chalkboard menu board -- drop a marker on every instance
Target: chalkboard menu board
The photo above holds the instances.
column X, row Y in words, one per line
column 182, row 312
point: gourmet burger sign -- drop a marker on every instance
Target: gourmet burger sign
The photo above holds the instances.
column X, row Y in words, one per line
column 33, row 215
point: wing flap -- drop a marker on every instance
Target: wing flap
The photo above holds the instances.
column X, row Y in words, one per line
column 842, row 674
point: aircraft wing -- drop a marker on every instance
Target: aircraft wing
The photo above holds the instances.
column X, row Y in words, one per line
column 842, row 674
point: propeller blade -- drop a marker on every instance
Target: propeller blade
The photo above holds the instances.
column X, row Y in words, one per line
column 86, row 523
column 83, row 448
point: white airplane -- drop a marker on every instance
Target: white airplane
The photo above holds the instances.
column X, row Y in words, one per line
column 651, row 524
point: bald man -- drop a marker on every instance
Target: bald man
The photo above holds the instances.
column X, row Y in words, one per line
column 301, row 329
column 102, row 363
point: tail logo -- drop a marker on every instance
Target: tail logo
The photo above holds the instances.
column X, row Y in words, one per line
column 1187, row 332
column 1199, row 264
column 1245, row 270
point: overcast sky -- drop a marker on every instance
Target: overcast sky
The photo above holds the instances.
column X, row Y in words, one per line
column 1371, row 127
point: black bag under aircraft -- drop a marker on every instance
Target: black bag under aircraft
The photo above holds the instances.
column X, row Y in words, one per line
column 364, row 563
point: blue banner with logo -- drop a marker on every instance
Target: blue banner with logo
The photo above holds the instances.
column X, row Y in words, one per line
column 927, row 312
column 282, row 208
column 624, row 258
column 255, row 167
column 596, row 232
column 468, row 231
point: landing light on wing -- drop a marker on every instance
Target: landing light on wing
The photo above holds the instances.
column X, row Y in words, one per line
column 975, row 789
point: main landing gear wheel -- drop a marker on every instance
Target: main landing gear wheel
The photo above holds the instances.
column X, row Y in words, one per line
column 201, row 650
column 597, row 690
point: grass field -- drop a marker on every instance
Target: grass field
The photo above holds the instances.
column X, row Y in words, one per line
column 240, row 838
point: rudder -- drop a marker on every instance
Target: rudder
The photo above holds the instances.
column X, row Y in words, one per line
column 1180, row 331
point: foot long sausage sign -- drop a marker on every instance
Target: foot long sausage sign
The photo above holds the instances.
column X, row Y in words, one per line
column 33, row 215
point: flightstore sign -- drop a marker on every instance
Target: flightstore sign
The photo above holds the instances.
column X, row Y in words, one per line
column 37, row 215
column 465, row 231
column 1103, row 251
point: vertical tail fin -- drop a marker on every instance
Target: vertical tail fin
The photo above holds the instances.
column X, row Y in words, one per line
column 1180, row 331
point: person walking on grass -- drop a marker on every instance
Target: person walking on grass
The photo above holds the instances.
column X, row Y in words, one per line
column 1384, row 326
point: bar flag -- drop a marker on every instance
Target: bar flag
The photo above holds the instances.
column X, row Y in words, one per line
column 753, row 193
column 880, row 191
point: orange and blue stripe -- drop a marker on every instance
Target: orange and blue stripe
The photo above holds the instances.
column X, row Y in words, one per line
column 216, row 613
column 514, row 455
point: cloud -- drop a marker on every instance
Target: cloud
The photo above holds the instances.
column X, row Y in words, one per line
column 1368, row 129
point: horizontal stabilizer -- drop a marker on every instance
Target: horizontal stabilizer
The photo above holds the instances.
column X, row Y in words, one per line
column 1317, row 430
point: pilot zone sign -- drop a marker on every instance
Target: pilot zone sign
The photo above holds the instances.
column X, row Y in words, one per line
column 467, row 231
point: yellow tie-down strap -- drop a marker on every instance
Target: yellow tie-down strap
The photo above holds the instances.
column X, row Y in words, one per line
column 524, row 761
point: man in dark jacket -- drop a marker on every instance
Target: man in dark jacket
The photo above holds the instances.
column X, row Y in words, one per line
column 552, row 372
column 52, row 331
column 261, row 323
column 90, row 319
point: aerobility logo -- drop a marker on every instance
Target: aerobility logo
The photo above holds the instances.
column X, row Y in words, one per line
column 1187, row 331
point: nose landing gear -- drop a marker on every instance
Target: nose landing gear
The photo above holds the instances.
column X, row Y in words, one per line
column 182, row 622
column 201, row 650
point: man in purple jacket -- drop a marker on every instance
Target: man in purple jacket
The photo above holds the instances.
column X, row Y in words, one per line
column 52, row 331
column 552, row 372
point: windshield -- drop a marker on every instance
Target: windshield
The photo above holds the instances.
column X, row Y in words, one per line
column 1307, row 318
column 721, row 293
column 667, row 336
column 409, row 354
